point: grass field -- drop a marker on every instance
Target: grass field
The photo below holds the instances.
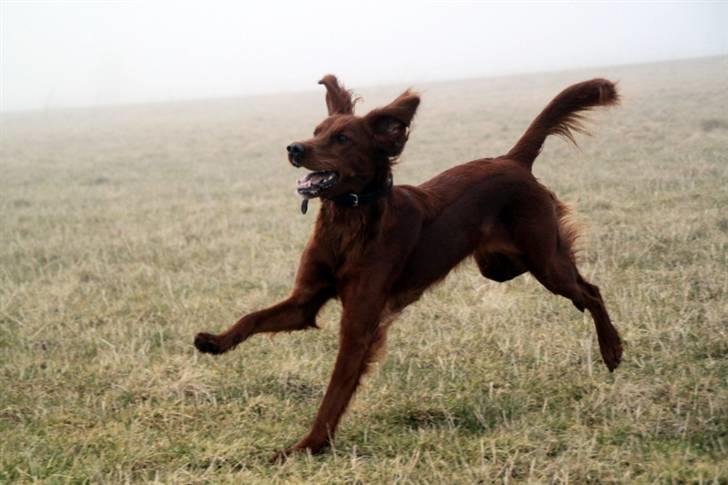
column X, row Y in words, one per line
column 127, row 230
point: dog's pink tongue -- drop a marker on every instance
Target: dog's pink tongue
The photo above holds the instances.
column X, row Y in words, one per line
column 310, row 179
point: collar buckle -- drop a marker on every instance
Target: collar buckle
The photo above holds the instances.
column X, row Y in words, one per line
column 359, row 200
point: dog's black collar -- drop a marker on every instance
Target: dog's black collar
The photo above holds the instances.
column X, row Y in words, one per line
column 366, row 198
column 356, row 200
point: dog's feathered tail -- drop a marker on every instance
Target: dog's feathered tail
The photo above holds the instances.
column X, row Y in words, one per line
column 563, row 116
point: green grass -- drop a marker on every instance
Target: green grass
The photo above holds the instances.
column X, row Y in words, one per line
column 125, row 231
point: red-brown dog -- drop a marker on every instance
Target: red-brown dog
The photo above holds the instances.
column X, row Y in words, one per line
column 378, row 248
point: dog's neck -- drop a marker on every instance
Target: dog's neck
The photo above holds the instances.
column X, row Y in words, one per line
column 368, row 196
column 359, row 209
column 381, row 179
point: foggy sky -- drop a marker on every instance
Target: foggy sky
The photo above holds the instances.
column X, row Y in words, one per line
column 81, row 54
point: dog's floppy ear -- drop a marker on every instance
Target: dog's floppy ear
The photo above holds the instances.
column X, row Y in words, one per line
column 338, row 99
column 390, row 124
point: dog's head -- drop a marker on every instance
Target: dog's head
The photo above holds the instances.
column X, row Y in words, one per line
column 349, row 153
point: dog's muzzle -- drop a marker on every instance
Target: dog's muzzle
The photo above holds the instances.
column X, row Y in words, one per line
column 295, row 153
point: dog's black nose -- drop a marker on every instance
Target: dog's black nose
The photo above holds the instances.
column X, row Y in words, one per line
column 295, row 153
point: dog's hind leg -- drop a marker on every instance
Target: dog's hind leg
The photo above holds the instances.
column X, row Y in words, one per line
column 610, row 343
column 560, row 276
column 545, row 240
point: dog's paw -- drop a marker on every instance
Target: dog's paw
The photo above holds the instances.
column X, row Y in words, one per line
column 612, row 356
column 304, row 446
column 280, row 457
column 208, row 344
column 283, row 455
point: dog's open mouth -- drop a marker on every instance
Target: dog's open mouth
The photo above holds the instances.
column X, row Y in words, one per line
column 314, row 183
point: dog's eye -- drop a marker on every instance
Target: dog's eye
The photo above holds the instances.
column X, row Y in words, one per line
column 341, row 138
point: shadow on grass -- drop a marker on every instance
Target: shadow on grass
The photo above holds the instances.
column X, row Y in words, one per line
column 288, row 387
column 469, row 417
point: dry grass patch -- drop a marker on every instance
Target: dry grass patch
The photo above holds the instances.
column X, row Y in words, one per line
column 125, row 231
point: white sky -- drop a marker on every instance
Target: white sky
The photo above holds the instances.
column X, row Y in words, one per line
column 60, row 54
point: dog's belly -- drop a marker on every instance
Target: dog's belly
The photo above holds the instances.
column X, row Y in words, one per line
column 475, row 215
column 500, row 267
column 497, row 257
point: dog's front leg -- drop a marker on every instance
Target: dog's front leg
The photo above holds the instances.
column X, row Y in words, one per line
column 293, row 313
column 360, row 337
column 313, row 288
column 354, row 352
